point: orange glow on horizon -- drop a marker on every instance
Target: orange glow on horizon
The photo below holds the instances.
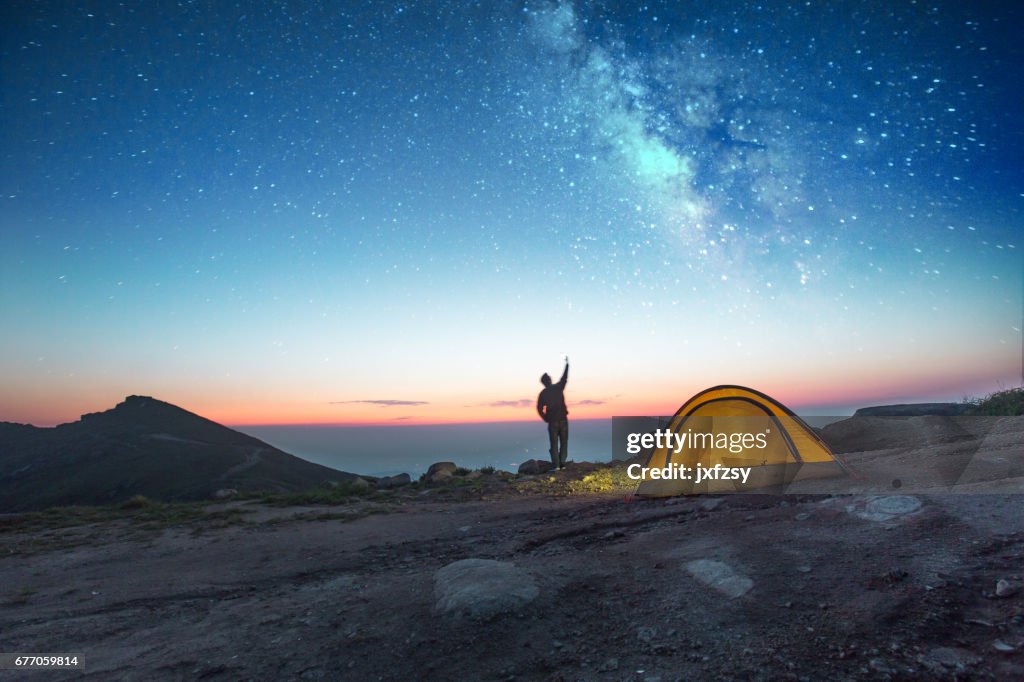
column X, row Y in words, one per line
column 821, row 388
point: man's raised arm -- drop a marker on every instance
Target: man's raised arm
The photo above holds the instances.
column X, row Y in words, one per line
column 565, row 374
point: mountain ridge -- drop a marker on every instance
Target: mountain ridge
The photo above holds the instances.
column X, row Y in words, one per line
column 142, row 446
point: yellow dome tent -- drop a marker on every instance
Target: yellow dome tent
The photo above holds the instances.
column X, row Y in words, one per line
column 786, row 449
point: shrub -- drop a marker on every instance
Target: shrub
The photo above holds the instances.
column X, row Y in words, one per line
column 1008, row 403
column 138, row 502
column 341, row 493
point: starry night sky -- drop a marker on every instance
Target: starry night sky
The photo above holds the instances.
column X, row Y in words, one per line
column 350, row 212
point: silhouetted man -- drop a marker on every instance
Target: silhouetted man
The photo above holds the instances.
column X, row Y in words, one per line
column 551, row 408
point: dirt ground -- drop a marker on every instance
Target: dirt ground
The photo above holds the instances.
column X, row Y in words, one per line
column 835, row 590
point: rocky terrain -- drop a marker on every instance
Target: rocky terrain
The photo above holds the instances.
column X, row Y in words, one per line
column 547, row 576
column 522, row 579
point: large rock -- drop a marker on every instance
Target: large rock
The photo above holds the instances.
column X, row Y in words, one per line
column 394, row 481
column 225, row 494
column 535, row 466
column 437, row 467
column 482, row 588
column 442, row 476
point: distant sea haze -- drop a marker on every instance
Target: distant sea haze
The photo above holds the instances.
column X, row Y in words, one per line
column 388, row 450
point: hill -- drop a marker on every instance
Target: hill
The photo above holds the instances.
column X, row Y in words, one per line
column 914, row 410
column 143, row 446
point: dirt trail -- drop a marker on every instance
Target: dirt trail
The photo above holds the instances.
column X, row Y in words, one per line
column 251, row 459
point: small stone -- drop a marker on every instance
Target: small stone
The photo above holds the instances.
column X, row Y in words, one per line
column 1004, row 588
column 880, row 666
column 645, row 634
column 720, row 576
column 802, row 516
column 1000, row 645
column 951, row 658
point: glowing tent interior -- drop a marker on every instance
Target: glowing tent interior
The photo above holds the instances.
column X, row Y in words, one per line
column 791, row 450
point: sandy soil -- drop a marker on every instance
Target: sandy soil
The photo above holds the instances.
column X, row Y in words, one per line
column 840, row 587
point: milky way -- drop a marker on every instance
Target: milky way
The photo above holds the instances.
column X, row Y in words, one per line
column 773, row 133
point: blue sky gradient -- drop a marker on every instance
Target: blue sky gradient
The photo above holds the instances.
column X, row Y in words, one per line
column 274, row 215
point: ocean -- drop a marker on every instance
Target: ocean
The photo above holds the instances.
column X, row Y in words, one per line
column 389, row 450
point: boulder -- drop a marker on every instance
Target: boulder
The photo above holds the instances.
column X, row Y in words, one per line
column 535, row 466
column 441, row 466
column 473, row 475
column 394, row 481
column 360, row 483
column 225, row 494
column 440, row 476
column 482, row 589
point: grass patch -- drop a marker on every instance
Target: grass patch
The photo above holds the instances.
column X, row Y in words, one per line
column 486, row 471
column 598, row 479
column 343, row 493
column 138, row 502
column 139, row 511
column 1008, row 403
column 601, row 481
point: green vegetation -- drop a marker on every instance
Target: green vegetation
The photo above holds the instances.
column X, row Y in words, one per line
column 342, row 493
column 138, row 518
column 487, row 470
column 1008, row 403
column 139, row 511
column 605, row 480
column 461, row 471
column 138, row 502
column 582, row 479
